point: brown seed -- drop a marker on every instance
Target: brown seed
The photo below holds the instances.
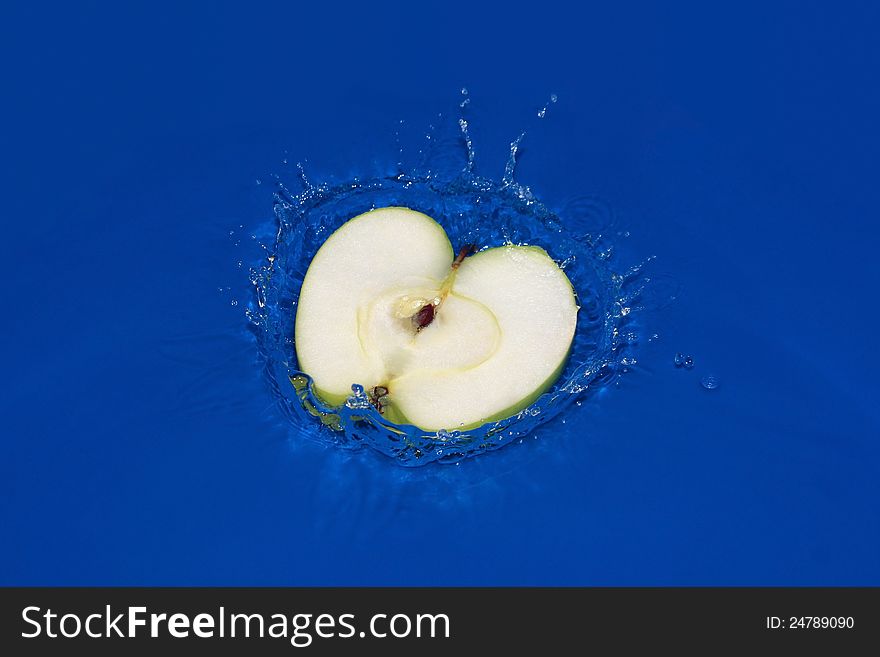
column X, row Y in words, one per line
column 424, row 317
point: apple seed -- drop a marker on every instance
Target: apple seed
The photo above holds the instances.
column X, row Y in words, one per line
column 424, row 317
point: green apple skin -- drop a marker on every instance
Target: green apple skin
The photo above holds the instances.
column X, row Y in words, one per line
column 334, row 401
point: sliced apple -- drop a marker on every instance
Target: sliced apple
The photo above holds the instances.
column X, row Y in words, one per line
column 439, row 342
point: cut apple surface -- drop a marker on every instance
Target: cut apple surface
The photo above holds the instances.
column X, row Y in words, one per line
column 439, row 342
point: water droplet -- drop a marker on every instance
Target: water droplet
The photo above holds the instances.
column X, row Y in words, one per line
column 606, row 253
column 471, row 154
column 233, row 302
column 710, row 382
column 688, row 363
column 678, row 361
column 543, row 111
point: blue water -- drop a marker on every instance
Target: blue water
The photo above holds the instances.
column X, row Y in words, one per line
column 142, row 443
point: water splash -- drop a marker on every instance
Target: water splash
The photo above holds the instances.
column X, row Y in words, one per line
column 469, row 144
column 472, row 209
column 510, row 167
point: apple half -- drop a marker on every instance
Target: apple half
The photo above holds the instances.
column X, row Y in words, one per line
column 437, row 341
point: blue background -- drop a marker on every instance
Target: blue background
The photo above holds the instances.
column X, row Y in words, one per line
column 139, row 442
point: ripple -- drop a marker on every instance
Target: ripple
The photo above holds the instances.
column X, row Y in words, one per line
column 588, row 217
column 710, row 382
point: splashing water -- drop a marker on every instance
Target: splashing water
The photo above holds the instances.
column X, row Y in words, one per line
column 472, row 209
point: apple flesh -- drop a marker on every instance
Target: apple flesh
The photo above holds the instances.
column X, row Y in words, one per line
column 439, row 342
